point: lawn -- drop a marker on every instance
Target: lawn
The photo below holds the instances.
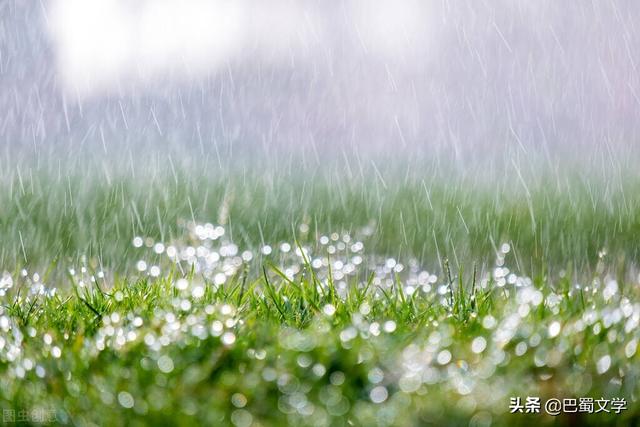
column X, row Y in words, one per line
column 348, row 294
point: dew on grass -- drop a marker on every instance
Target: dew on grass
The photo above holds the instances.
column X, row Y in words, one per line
column 375, row 375
column 364, row 308
column 125, row 399
column 374, row 329
column 198, row 291
column 6, row 283
column 238, row 400
column 329, row 310
column 185, row 305
column 141, row 266
column 154, row 271
column 56, row 352
column 181, row 284
column 512, row 334
column 444, row 357
column 228, row 338
column 610, row 290
column 378, row 394
column 319, row 370
column 554, row 329
column 304, row 361
column 285, row 247
column 165, row 364
column 478, row 345
column 40, row 371
column 337, row 378
column 521, row 348
column 219, row 279
column 389, row 326
column 603, row 364
column 227, row 310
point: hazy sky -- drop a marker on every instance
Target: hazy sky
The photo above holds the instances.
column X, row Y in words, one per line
column 466, row 76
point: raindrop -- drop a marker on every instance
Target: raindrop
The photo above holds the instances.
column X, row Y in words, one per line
column 554, row 329
column 141, row 266
column 478, row 345
column 603, row 364
column 389, row 326
column 444, row 357
column 379, row 394
column 165, row 364
column 329, row 309
column 228, row 338
column 125, row 399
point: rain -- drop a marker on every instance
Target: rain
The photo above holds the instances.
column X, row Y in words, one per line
column 337, row 212
column 468, row 81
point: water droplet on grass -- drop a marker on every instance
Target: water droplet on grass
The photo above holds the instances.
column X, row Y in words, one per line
column 379, row 394
column 603, row 364
column 478, row 345
column 125, row 399
column 165, row 364
column 444, row 357
column 228, row 338
column 554, row 329
column 329, row 309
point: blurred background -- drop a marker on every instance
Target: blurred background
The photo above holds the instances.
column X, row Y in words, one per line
column 467, row 81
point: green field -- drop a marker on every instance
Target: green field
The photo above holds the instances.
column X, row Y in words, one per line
column 352, row 293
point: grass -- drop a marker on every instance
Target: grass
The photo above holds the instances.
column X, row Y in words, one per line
column 551, row 221
column 385, row 297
